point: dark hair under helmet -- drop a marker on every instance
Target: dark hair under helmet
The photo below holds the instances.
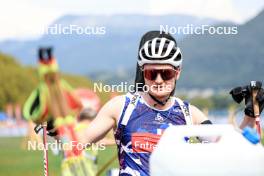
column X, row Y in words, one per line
column 156, row 47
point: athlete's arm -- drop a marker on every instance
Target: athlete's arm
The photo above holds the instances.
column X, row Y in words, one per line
column 198, row 117
column 248, row 121
column 104, row 121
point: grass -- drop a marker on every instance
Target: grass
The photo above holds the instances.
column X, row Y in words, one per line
column 15, row 161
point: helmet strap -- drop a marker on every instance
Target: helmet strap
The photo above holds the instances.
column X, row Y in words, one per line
column 158, row 102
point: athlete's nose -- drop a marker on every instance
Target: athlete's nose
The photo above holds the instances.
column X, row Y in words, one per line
column 159, row 79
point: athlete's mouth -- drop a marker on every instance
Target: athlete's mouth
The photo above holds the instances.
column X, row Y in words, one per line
column 160, row 88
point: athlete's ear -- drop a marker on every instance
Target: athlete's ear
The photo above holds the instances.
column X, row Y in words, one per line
column 178, row 73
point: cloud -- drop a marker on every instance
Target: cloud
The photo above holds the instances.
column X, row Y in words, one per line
column 218, row 9
column 19, row 19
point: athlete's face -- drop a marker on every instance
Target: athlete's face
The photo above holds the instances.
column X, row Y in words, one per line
column 160, row 79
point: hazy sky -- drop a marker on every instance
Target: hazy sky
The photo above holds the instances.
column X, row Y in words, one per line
column 25, row 18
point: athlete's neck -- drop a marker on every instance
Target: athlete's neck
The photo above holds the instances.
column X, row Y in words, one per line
column 153, row 103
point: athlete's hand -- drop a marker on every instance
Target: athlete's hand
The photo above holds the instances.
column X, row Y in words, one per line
column 51, row 128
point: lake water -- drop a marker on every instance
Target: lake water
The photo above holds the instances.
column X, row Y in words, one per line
column 217, row 117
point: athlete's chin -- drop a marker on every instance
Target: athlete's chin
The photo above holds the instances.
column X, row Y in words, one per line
column 160, row 94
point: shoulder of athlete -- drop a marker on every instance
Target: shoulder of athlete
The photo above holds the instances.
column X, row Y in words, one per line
column 114, row 107
column 197, row 115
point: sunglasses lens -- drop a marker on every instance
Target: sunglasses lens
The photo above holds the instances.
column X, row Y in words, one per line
column 150, row 74
column 166, row 74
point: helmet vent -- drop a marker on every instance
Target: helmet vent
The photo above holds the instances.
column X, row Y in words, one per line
column 179, row 56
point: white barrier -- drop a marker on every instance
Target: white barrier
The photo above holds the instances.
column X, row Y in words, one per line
column 231, row 155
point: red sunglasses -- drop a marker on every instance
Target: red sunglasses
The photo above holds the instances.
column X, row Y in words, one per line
column 166, row 74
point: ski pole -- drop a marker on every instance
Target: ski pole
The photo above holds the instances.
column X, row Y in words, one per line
column 45, row 151
column 255, row 90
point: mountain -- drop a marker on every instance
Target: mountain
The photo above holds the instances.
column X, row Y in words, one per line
column 224, row 61
column 216, row 61
column 112, row 45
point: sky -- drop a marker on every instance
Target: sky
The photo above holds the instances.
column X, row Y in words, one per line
column 26, row 18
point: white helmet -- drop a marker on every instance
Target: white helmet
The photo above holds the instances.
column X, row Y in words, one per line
column 160, row 50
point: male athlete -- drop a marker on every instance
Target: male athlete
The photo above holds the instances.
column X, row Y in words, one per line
column 139, row 118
